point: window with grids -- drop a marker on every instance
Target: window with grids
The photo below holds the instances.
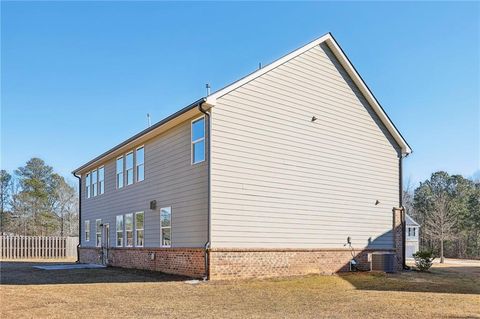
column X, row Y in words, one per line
column 129, row 230
column 98, row 232
column 119, row 172
column 119, row 230
column 140, row 163
column 101, row 180
column 139, row 226
column 88, row 181
column 94, row 183
column 87, row 230
column 129, row 168
column 166, row 226
column 198, row 140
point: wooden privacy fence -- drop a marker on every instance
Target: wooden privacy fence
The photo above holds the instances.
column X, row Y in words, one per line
column 31, row 247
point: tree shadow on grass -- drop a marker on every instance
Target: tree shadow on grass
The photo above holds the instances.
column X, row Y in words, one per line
column 24, row 273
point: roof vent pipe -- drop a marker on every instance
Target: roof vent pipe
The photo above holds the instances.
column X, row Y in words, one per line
column 149, row 122
column 207, row 86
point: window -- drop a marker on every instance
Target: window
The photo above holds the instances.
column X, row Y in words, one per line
column 87, row 184
column 139, row 222
column 129, row 168
column 87, row 230
column 119, row 229
column 198, row 140
column 101, row 180
column 94, row 183
column 98, row 232
column 409, row 231
column 166, row 226
column 120, row 172
column 129, row 230
column 414, row 231
column 140, row 158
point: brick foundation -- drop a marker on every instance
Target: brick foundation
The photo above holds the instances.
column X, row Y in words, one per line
column 264, row 263
column 398, row 236
column 179, row 261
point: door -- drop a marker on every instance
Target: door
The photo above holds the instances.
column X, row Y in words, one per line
column 105, row 243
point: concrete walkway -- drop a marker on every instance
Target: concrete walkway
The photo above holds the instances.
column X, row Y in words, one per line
column 70, row 266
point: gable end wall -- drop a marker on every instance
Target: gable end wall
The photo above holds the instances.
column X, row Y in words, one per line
column 280, row 180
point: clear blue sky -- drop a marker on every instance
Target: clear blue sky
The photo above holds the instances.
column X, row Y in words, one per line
column 78, row 78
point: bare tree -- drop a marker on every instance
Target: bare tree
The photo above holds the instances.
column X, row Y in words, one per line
column 441, row 221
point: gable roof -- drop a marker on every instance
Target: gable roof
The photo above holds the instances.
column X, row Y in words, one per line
column 211, row 99
column 409, row 221
column 347, row 65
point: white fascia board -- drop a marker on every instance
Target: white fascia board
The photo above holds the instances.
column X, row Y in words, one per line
column 368, row 94
column 266, row 69
column 327, row 38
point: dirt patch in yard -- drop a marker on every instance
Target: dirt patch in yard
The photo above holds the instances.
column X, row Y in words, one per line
column 106, row 293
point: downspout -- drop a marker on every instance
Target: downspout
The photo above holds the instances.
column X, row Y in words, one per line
column 79, row 215
column 404, row 229
column 207, row 244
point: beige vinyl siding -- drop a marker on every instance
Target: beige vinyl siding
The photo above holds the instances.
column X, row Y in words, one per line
column 280, row 180
column 171, row 180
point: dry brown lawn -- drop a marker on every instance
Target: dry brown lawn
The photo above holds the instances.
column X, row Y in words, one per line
column 448, row 291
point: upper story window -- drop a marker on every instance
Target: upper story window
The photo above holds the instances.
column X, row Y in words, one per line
column 140, row 162
column 198, row 140
column 129, row 168
column 120, row 172
column 101, row 180
column 88, row 181
column 94, row 183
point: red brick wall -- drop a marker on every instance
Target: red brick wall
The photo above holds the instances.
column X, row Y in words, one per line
column 398, row 234
column 180, row 261
column 263, row 263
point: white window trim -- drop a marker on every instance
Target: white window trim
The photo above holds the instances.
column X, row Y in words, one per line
column 136, row 165
column 98, row 180
column 85, row 230
column 135, row 229
column 123, row 172
column 161, row 228
column 192, row 142
column 94, row 183
column 96, row 233
column 88, row 188
column 122, row 231
column 125, row 241
column 125, row 177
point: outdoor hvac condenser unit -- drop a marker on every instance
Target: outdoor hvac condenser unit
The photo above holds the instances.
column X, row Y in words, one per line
column 382, row 262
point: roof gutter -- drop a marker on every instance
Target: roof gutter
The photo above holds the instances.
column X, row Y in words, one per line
column 209, row 205
column 140, row 134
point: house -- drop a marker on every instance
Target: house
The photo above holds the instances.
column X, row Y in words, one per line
column 412, row 229
column 269, row 176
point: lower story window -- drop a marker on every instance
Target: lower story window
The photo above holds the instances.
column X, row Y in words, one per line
column 128, row 230
column 87, row 230
column 166, row 226
column 119, row 230
column 98, row 232
column 139, row 227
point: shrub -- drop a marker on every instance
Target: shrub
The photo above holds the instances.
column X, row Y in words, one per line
column 423, row 260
